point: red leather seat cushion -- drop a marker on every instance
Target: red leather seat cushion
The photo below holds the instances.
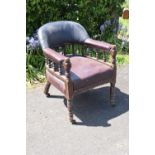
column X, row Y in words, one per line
column 86, row 72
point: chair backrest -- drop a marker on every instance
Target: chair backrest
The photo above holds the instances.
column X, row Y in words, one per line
column 58, row 33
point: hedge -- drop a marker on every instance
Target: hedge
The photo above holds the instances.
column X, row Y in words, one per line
column 90, row 13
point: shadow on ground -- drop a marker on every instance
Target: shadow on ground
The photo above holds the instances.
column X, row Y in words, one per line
column 93, row 107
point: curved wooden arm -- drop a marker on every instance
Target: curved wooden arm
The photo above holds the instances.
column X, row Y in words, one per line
column 106, row 47
column 53, row 55
column 98, row 44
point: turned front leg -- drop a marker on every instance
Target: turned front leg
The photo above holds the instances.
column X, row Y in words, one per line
column 70, row 110
column 112, row 84
column 69, row 88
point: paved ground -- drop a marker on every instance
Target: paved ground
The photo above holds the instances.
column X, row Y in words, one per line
column 102, row 129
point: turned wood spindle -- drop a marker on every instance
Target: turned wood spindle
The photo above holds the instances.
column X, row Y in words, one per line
column 82, row 51
column 67, row 67
column 61, row 69
column 86, row 51
column 73, row 49
column 56, row 67
column 49, row 63
column 104, row 56
column 89, row 52
column 64, row 50
column 97, row 54
column 113, row 55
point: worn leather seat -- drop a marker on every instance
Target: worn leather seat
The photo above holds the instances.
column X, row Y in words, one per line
column 86, row 72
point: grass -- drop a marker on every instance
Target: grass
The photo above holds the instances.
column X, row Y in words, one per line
column 126, row 4
column 122, row 59
column 124, row 22
column 34, row 67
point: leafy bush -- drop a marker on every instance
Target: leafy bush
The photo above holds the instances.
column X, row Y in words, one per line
column 90, row 13
column 122, row 59
column 34, row 65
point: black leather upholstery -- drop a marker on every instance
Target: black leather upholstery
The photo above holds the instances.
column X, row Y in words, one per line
column 57, row 33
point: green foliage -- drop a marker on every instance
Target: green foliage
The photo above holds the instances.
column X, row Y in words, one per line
column 122, row 59
column 126, row 4
column 34, row 66
column 90, row 13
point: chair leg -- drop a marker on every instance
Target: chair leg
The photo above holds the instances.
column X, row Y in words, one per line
column 112, row 94
column 46, row 90
column 70, row 109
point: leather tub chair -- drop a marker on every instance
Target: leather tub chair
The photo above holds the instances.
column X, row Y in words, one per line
column 70, row 66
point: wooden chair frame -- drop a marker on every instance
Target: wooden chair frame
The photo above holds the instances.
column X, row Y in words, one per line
column 59, row 65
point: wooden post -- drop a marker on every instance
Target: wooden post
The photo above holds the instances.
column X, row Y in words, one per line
column 113, row 53
column 67, row 67
column 49, row 63
column 73, row 49
column 112, row 86
column 56, row 67
column 70, row 110
column 97, row 54
column 69, row 89
column 104, row 56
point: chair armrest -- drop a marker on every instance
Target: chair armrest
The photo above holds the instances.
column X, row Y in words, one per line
column 98, row 44
column 55, row 56
column 104, row 46
column 59, row 58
